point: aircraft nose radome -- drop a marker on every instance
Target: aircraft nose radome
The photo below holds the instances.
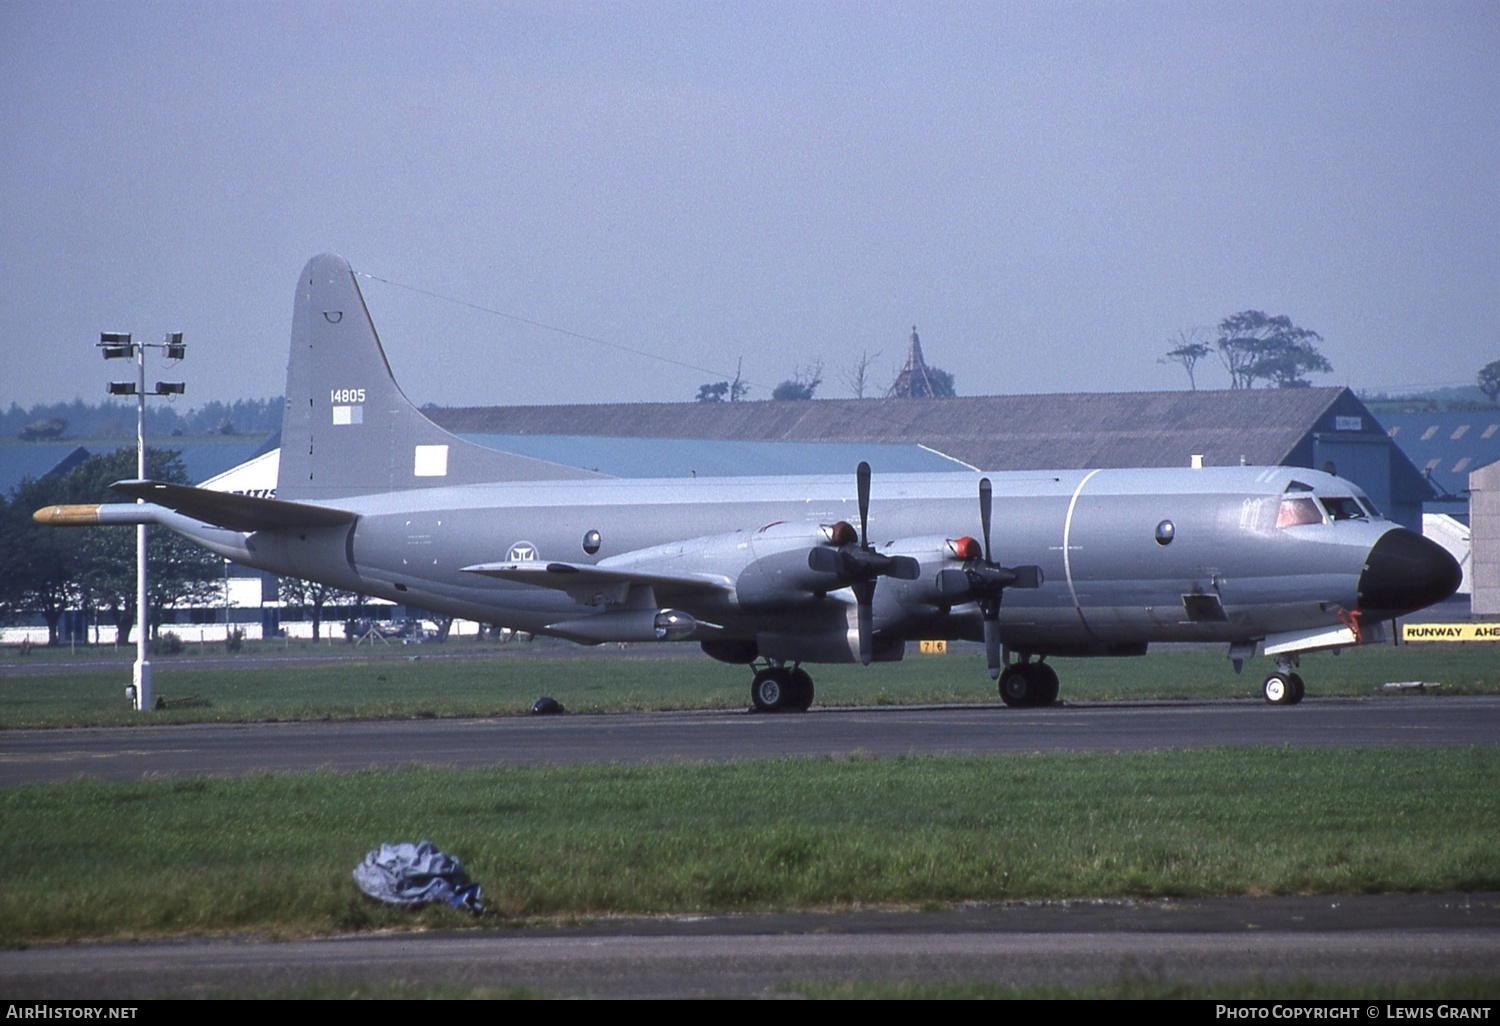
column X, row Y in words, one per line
column 1405, row 572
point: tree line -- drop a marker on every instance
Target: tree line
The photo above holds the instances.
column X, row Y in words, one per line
column 1254, row 347
column 112, row 419
column 48, row 571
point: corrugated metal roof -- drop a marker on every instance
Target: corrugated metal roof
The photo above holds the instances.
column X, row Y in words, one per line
column 713, row 457
column 1062, row 431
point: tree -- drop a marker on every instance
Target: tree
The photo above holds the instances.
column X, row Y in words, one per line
column 801, row 385
column 857, row 376
column 1255, row 347
column 50, row 570
column 310, row 596
column 722, row 391
column 37, row 564
column 1489, row 380
column 1189, row 350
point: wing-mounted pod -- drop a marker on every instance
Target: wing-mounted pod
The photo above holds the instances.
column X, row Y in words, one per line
column 983, row 580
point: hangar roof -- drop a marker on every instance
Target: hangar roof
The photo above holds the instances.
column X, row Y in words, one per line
column 1023, row 432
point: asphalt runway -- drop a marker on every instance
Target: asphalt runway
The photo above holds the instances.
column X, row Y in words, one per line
column 1339, row 938
column 138, row 753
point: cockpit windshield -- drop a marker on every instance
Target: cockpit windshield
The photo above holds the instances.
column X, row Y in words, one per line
column 1295, row 510
column 1343, row 507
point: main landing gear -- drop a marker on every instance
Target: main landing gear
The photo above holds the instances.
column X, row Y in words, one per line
column 1284, row 687
column 1028, row 684
column 781, row 689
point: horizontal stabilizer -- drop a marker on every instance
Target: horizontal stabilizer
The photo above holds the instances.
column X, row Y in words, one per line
column 236, row 512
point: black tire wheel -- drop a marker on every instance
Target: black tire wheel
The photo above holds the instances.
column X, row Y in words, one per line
column 770, row 691
column 1280, row 689
column 1046, row 682
column 1016, row 687
column 1298, row 688
column 801, row 684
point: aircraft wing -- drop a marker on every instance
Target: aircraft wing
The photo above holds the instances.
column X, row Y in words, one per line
column 593, row 585
column 236, row 512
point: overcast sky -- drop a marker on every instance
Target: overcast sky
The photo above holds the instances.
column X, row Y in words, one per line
column 1050, row 191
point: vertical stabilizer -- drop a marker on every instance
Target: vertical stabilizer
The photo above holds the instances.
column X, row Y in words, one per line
column 347, row 428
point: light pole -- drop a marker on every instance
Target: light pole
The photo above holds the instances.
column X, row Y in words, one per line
column 118, row 345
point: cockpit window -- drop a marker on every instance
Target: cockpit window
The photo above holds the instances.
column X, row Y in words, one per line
column 1298, row 510
column 1369, row 507
column 1343, row 508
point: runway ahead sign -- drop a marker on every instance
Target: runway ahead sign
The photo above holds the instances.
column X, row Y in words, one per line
column 1450, row 632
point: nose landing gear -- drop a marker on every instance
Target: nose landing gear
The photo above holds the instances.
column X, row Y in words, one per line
column 1284, row 687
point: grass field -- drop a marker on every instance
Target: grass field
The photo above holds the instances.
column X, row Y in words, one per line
column 274, row 853
column 464, row 678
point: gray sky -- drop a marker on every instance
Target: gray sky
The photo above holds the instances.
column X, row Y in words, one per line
column 1049, row 190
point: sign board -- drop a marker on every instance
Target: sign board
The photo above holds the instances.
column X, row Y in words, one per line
column 932, row 647
column 1450, row 632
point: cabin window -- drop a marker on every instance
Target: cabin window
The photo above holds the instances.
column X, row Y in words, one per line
column 1298, row 510
column 1343, row 507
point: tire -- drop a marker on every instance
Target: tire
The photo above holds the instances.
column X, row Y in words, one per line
column 771, row 691
column 1046, row 681
column 1279, row 689
column 1298, row 688
column 801, row 685
column 1017, row 689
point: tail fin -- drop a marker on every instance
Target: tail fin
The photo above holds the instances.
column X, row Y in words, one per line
column 347, row 428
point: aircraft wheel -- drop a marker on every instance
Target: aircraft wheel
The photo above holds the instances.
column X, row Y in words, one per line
column 801, row 685
column 772, row 691
column 1298, row 688
column 1281, row 689
column 1017, row 689
column 1046, row 684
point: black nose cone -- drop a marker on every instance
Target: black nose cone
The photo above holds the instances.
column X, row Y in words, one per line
column 1405, row 572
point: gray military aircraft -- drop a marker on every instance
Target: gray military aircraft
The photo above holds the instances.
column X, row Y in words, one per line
column 775, row 572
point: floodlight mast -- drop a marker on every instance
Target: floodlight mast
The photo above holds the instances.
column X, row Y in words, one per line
column 120, row 345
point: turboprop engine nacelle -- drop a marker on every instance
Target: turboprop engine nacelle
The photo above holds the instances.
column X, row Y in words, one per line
column 780, row 576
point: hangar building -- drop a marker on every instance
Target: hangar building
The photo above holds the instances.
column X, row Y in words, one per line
column 1307, row 427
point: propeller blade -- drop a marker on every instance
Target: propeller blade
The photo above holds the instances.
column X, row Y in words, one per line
column 824, row 561
column 992, row 644
column 1026, row 577
column 986, row 501
column 864, row 595
column 904, row 568
column 862, row 475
